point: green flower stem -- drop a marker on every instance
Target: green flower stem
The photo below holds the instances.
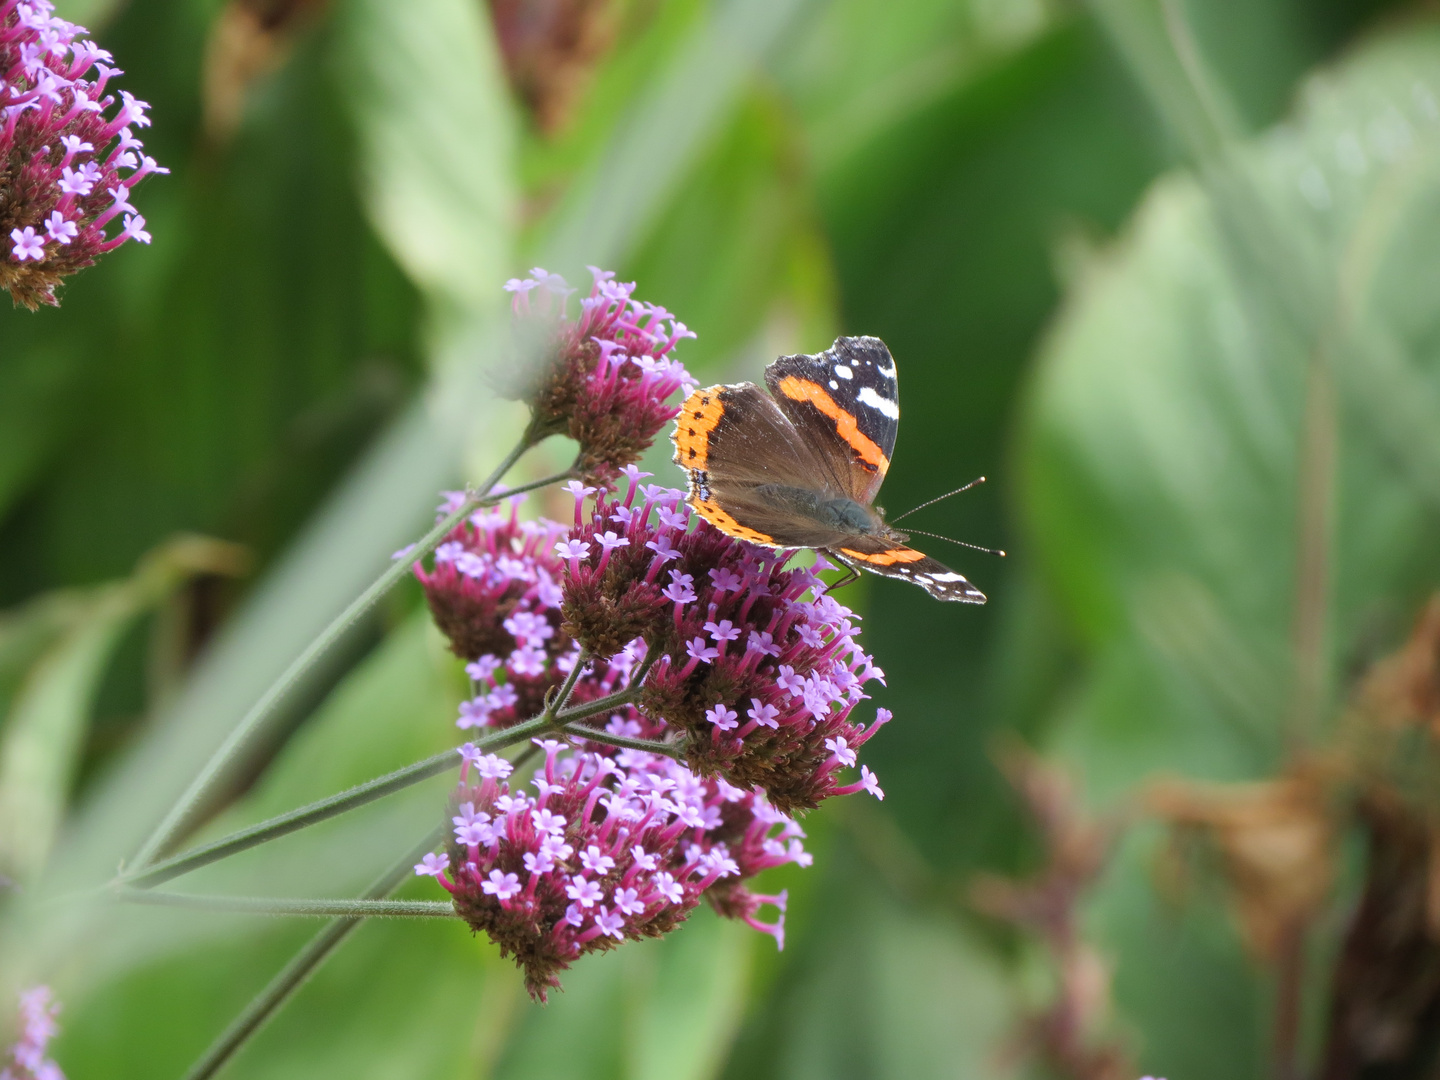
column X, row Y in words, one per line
column 334, row 805
column 651, row 656
column 556, row 702
column 300, row 967
column 599, row 705
column 555, row 719
column 265, row 905
column 294, row 820
column 670, row 750
column 180, row 814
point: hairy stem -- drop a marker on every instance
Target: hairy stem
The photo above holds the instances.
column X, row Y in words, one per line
column 670, row 750
column 555, row 703
column 321, row 810
column 301, row 966
column 266, row 905
column 360, row 795
column 178, row 819
column 599, row 705
column 652, row 655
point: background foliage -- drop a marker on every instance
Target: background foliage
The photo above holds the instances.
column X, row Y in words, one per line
column 1162, row 269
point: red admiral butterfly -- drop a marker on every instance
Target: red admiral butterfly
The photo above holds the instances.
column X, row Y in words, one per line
column 800, row 466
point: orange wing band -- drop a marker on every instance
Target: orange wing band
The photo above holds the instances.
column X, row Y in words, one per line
column 698, row 417
column 712, row 513
column 884, row 558
column 798, row 389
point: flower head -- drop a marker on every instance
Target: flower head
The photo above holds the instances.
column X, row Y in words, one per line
column 756, row 663
column 68, row 155
column 492, row 584
column 614, row 845
column 606, row 378
column 27, row 1060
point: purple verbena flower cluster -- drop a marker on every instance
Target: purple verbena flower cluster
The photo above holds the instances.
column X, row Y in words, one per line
column 758, row 665
column 614, row 845
column 69, row 158
column 494, row 591
column 606, row 377
column 27, row 1060
column 620, row 843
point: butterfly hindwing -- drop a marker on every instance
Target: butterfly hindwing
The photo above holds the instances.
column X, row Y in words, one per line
column 734, row 444
column 845, row 401
column 890, row 558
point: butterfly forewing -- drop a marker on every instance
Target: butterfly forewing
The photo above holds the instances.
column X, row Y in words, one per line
column 892, row 559
column 845, row 401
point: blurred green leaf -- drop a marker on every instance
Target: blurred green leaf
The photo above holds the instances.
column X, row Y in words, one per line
column 766, row 286
column 436, row 158
column 943, row 228
column 648, row 1011
column 669, row 123
column 1216, row 489
column 366, row 1009
column 44, row 725
column 879, row 987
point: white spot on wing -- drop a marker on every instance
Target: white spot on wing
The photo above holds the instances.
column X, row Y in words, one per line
column 888, row 372
column 834, row 385
column 883, row 406
column 949, row 577
column 843, row 371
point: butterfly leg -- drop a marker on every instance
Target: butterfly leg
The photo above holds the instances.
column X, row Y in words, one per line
column 852, row 575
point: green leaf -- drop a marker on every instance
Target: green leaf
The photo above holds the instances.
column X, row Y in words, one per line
column 397, row 706
column 44, row 732
column 44, row 727
column 880, row 987
column 667, row 127
column 436, row 159
column 1230, row 460
column 647, row 1011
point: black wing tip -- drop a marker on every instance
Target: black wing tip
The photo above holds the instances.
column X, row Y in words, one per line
column 861, row 346
column 860, row 343
column 961, row 592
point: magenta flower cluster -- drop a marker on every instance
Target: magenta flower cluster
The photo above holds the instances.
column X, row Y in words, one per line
column 622, row 843
column 605, row 378
column 68, row 151
column 613, row 845
column 494, row 591
column 709, row 686
column 27, row 1060
column 758, row 665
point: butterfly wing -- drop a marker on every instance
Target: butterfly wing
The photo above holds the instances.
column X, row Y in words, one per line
column 737, row 448
column 845, row 403
column 890, row 558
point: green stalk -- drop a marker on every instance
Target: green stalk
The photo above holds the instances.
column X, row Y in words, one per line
column 359, row 795
column 300, row 967
column 670, row 750
column 266, row 905
column 177, row 819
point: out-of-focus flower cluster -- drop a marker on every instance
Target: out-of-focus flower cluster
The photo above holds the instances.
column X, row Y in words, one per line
column 605, row 378
column 622, row 843
column 758, row 666
column 69, row 158
column 612, row 845
column 27, row 1060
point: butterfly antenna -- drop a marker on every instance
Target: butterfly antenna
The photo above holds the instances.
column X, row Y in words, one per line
column 938, row 498
column 962, row 543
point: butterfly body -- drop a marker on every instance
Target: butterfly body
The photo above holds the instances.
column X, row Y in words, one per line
column 800, row 462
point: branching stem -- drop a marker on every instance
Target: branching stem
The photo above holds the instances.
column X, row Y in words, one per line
column 266, row 905
column 300, row 967
column 178, row 819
